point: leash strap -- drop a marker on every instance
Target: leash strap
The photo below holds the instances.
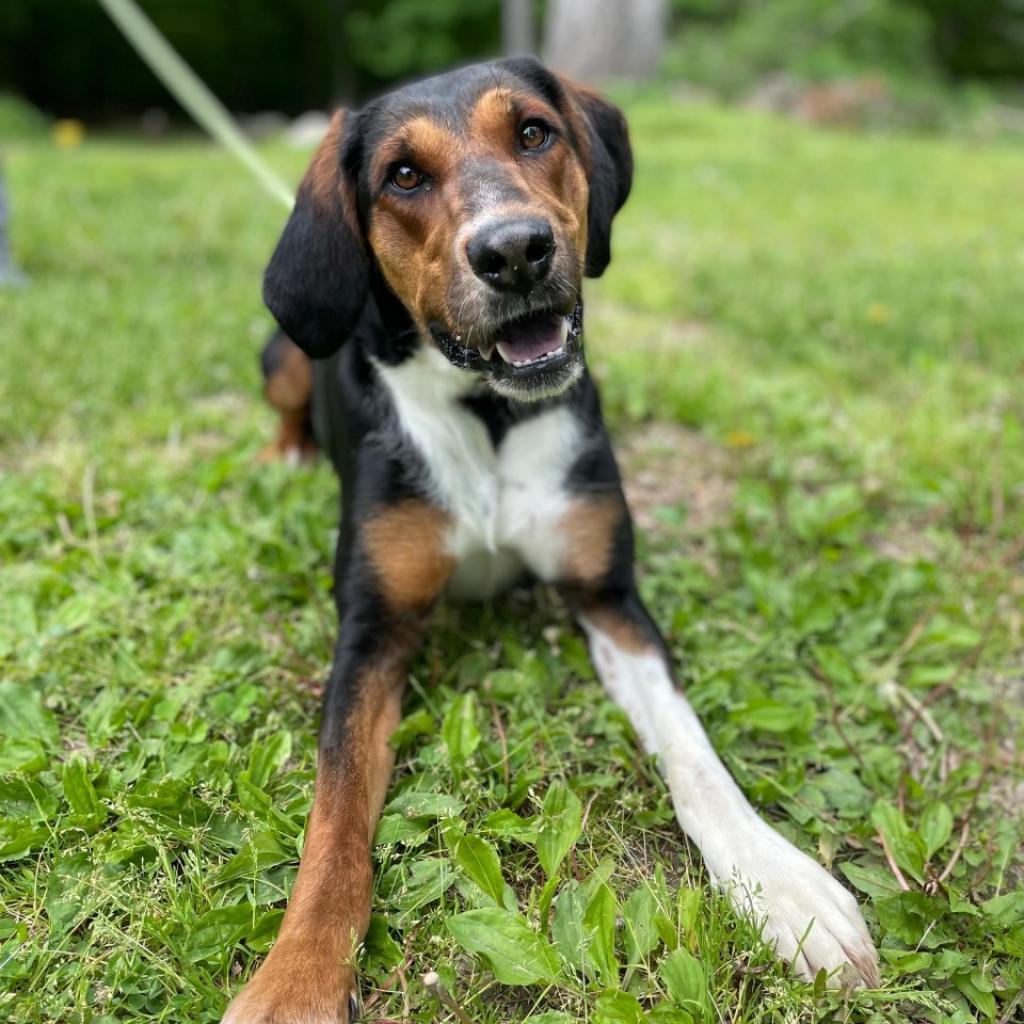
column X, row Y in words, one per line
column 192, row 93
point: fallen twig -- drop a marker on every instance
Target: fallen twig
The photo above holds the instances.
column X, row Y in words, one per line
column 893, row 866
column 432, row 983
column 500, row 728
column 833, row 704
column 965, row 831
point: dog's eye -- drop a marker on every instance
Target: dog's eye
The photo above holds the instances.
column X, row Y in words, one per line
column 406, row 177
column 532, row 135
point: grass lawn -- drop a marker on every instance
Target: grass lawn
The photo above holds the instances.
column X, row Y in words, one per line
column 811, row 348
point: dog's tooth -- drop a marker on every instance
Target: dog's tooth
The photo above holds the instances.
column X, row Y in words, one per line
column 486, row 351
column 565, row 331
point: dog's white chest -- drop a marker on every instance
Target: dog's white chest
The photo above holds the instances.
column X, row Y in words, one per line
column 507, row 502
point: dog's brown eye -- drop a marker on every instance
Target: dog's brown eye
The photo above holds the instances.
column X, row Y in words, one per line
column 532, row 135
column 406, row 177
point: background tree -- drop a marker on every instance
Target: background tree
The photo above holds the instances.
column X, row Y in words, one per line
column 517, row 26
column 600, row 39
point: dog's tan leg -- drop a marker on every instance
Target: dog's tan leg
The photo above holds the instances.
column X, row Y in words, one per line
column 384, row 594
column 309, row 975
column 288, row 388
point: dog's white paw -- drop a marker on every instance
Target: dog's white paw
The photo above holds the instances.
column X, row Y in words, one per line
column 812, row 921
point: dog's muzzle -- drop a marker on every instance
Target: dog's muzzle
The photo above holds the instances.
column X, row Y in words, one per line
column 533, row 356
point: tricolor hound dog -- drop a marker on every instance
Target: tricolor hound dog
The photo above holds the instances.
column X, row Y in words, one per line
column 428, row 284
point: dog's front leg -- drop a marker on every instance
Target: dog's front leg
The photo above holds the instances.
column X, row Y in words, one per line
column 385, row 591
column 309, row 976
column 812, row 921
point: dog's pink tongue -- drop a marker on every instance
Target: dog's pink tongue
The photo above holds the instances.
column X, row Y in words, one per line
column 529, row 339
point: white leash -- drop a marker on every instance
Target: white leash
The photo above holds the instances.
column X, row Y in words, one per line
column 191, row 92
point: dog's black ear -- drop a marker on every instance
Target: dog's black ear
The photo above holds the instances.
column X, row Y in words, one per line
column 318, row 278
column 609, row 173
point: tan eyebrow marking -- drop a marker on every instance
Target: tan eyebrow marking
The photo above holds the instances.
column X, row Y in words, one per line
column 423, row 141
column 494, row 114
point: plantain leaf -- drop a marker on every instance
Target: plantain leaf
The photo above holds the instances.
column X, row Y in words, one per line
column 480, row 861
column 516, row 954
column 560, row 827
column 459, row 730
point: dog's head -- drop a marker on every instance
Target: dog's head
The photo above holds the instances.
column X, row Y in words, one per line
column 478, row 199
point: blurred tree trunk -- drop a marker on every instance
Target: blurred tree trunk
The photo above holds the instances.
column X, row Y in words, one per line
column 600, row 39
column 517, row 26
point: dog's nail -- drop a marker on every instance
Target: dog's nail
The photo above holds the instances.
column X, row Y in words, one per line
column 353, row 1008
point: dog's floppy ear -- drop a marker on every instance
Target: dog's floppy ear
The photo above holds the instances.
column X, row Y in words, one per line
column 609, row 172
column 317, row 280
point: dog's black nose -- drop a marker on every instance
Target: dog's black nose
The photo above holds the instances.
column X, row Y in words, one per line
column 512, row 255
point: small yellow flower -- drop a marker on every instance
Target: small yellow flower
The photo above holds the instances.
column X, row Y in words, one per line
column 879, row 313
column 740, row 439
column 68, row 133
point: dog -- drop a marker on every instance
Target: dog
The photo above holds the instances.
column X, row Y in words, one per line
column 428, row 285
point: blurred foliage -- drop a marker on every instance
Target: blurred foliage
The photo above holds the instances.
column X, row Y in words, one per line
column 19, row 120
column 730, row 45
column 67, row 57
column 406, row 37
column 978, row 38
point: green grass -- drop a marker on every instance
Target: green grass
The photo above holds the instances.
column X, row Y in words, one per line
column 840, row 318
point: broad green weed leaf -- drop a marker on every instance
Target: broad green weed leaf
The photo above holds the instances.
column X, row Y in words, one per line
column 217, row 930
column 268, row 756
column 774, row 716
column 978, row 989
column 688, row 904
column 81, row 794
column 599, row 923
column 907, row 847
column 685, row 980
column 27, row 756
column 936, row 827
column 426, row 882
column 666, row 1013
column 1005, row 910
column 397, row 828
column 263, row 851
column 378, row 946
column 419, row 723
column 19, row 842
column 22, row 715
column 617, row 1007
column 510, row 825
column 571, row 939
column 559, row 828
column 517, row 955
column 638, row 913
column 459, row 730
column 874, row 881
column 420, row 804
column 262, row 934
column 480, row 861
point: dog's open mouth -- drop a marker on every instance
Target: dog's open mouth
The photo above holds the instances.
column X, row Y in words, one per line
column 540, row 351
column 530, row 343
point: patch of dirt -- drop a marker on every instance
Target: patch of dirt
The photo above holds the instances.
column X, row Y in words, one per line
column 669, row 469
column 906, row 543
